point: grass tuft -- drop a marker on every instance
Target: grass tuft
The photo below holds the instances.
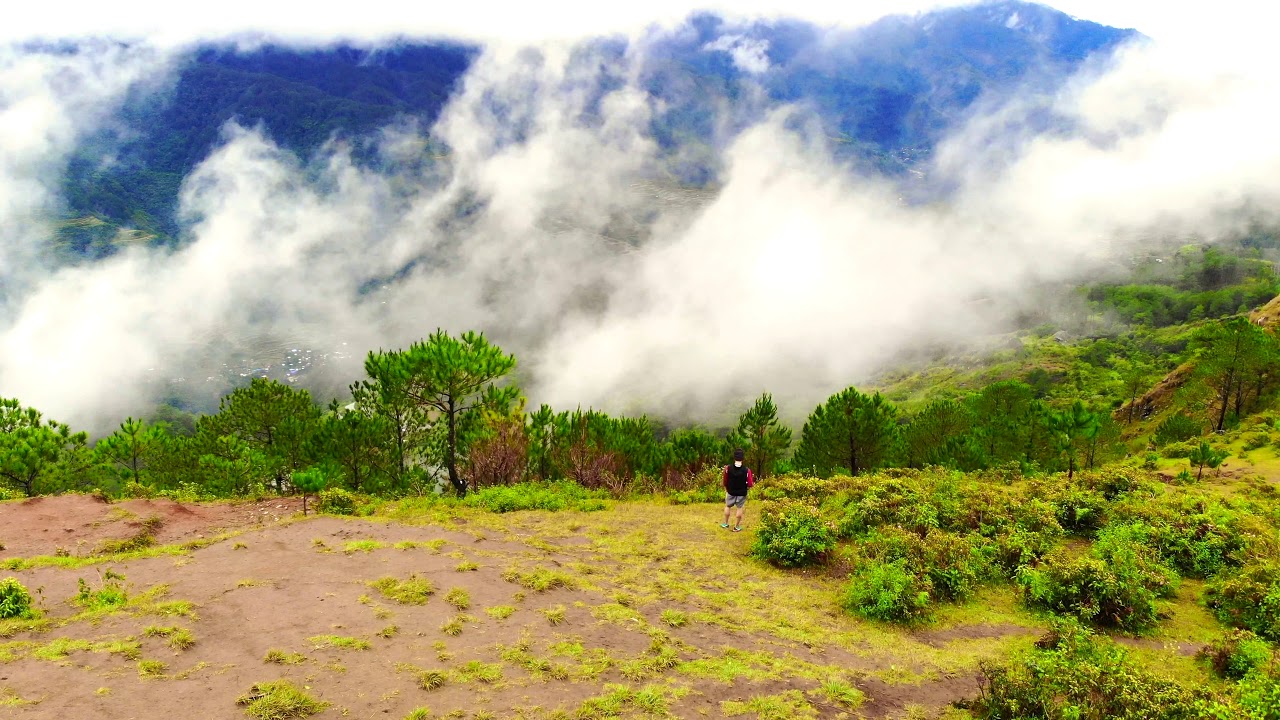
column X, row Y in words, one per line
column 540, row 579
column 281, row 657
column 355, row 546
column 279, row 700
column 412, row 591
column 431, row 679
column 555, row 615
column 339, row 641
column 459, row 598
column 500, row 612
column 152, row 668
column 675, row 618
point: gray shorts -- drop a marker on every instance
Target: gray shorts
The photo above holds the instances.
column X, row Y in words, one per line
column 734, row 500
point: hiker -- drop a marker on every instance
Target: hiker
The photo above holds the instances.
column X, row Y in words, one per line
column 737, row 480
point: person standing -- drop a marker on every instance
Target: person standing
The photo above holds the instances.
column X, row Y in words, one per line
column 738, row 479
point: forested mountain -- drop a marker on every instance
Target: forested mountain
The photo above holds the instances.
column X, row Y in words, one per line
column 884, row 94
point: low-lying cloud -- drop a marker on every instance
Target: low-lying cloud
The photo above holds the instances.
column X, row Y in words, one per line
column 616, row 288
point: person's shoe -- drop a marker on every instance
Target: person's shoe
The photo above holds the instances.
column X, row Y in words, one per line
column 737, row 528
column 725, row 526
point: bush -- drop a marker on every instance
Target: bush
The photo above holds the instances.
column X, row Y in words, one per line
column 1236, row 654
column 1080, row 511
column 1112, row 481
column 536, row 496
column 1017, row 548
column 796, row 487
column 1117, row 587
column 792, row 533
column 1259, row 694
column 1256, row 440
column 15, row 601
column 1249, row 599
column 1179, row 450
column 1195, row 537
column 336, row 501
column 904, row 498
column 888, row 591
column 1177, row 428
column 1073, row 674
column 953, row 564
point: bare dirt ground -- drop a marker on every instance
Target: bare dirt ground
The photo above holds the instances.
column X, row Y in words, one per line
column 637, row 597
column 78, row 524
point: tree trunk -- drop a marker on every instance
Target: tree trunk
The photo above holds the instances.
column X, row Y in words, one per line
column 1225, row 398
column 854, row 465
column 451, row 450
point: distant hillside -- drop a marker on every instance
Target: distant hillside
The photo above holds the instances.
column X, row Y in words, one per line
column 884, row 94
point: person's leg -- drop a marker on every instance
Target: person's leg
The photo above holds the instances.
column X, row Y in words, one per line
column 727, row 508
column 741, row 508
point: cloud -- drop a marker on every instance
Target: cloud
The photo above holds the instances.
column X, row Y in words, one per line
column 48, row 100
column 749, row 55
column 549, row 226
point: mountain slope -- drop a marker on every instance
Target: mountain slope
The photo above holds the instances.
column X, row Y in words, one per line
column 884, row 94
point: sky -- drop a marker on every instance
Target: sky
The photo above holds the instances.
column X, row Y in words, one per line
column 1173, row 138
column 1233, row 23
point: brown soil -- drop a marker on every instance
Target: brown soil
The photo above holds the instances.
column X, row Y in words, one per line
column 884, row 700
column 78, row 524
column 285, row 580
column 1268, row 316
column 939, row 638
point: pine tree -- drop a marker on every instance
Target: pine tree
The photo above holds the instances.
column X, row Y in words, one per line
column 763, row 439
column 33, row 449
column 130, row 450
column 273, row 419
column 456, row 378
column 850, row 432
column 940, row 434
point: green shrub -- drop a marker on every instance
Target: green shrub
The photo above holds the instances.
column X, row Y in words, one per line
column 1074, row 675
column 1080, row 511
column 109, row 597
column 1116, row 587
column 1179, row 450
column 1259, row 694
column 953, row 564
column 1195, row 537
column 1249, row 599
column 1236, row 654
column 15, row 601
column 902, row 498
column 1113, row 480
column 336, row 501
column 796, row 487
column 888, row 591
column 1015, row 548
column 1256, row 440
column 554, row 497
column 792, row 533
column 1176, row 428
